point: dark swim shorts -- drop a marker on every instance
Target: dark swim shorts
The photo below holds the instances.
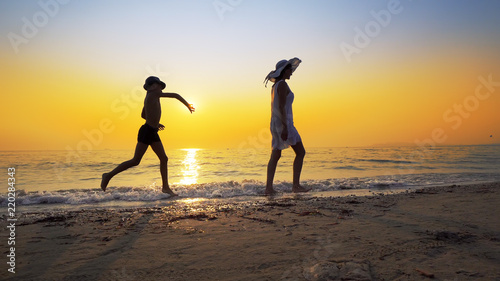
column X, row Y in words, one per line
column 148, row 134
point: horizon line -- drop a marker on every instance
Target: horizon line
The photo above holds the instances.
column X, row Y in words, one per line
column 201, row 148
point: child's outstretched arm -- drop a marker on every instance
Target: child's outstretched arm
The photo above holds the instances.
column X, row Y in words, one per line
column 178, row 97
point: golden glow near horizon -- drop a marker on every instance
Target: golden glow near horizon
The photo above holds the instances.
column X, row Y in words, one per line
column 70, row 84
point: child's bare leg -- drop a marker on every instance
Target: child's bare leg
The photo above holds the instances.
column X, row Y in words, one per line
column 300, row 153
column 160, row 152
column 271, row 170
column 140, row 149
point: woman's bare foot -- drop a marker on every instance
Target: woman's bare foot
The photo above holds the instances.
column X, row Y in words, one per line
column 300, row 189
column 169, row 191
column 105, row 181
column 270, row 192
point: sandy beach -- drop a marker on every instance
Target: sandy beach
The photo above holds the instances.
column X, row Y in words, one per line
column 440, row 233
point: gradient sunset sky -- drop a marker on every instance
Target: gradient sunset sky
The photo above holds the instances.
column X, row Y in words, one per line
column 372, row 72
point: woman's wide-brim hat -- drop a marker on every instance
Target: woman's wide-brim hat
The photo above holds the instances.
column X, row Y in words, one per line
column 279, row 68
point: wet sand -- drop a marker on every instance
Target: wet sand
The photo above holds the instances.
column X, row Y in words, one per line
column 440, row 233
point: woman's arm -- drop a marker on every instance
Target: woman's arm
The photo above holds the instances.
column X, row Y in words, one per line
column 283, row 91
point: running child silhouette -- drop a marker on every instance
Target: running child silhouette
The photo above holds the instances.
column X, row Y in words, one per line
column 148, row 133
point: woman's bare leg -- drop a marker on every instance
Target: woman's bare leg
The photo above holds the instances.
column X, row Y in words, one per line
column 300, row 153
column 271, row 170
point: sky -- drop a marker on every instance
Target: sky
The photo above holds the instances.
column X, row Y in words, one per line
column 372, row 73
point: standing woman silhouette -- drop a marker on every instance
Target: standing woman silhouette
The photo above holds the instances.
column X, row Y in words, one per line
column 283, row 131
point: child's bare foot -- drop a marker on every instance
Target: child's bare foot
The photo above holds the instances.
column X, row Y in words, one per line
column 169, row 191
column 300, row 189
column 105, row 181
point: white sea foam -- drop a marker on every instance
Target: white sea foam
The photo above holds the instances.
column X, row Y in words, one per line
column 232, row 189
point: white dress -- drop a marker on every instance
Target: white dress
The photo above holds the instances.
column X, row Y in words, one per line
column 276, row 124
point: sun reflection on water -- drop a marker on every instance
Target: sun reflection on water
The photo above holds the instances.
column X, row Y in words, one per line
column 192, row 201
column 190, row 168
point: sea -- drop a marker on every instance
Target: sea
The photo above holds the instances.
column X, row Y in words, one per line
column 48, row 180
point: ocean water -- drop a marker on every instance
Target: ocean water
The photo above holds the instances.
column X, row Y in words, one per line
column 61, row 178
